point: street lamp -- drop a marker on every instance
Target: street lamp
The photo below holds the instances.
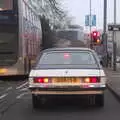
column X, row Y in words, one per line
column 114, row 38
column 90, row 23
column 104, row 32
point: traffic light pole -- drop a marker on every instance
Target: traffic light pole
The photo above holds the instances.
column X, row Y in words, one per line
column 114, row 39
column 104, row 32
column 91, row 45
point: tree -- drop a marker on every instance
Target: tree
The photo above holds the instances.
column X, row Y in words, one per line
column 52, row 10
column 51, row 17
column 47, row 33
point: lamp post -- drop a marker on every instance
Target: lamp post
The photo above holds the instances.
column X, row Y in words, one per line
column 114, row 39
column 90, row 24
column 104, row 32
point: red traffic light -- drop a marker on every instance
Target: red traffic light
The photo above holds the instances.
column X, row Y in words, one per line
column 95, row 34
column 96, row 38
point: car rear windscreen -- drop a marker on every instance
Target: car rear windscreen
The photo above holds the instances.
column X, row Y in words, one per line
column 67, row 58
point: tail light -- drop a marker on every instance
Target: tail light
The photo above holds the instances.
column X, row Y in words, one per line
column 91, row 80
column 41, row 80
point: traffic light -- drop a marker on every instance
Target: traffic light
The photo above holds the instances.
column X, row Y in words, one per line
column 96, row 38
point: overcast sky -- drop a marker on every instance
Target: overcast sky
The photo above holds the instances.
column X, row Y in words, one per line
column 79, row 8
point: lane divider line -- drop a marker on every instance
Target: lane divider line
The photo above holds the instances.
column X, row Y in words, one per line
column 19, row 87
column 21, row 95
column 10, row 88
column 3, row 96
column 24, row 89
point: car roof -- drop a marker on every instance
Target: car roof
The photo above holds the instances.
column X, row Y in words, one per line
column 68, row 48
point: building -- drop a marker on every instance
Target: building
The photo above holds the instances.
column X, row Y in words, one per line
column 110, row 41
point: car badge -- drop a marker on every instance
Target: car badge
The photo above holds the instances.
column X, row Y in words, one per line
column 66, row 72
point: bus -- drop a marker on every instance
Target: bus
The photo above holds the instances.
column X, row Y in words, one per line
column 20, row 37
column 71, row 34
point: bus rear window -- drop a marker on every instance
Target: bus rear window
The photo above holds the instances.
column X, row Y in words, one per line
column 6, row 5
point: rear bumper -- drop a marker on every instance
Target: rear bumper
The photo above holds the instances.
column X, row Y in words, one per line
column 43, row 91
column 66, row 92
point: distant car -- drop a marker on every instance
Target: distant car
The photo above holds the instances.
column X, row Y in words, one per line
column 67, row 71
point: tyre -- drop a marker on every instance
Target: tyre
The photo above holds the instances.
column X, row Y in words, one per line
column 99, row 100
column 35, row 101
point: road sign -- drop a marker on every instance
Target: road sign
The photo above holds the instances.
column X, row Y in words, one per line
column 114, row 27
column 93, row 20
column 87, row 19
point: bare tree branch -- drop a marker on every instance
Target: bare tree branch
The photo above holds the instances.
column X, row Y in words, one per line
column 52, row 10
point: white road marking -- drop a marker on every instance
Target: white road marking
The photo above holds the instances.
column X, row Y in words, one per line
column 24, row 89
column 2, row 96
column 9, row 88
column 21, row 95
column 22, row 85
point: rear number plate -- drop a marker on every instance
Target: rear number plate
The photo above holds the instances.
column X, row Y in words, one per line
column 66, row 80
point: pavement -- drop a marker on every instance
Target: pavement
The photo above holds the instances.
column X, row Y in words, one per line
column 113, row 81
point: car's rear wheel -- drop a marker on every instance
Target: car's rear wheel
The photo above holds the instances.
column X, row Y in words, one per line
column 99, row 100
column 35, row 101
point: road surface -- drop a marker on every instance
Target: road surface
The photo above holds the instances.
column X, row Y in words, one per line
column 15, row 104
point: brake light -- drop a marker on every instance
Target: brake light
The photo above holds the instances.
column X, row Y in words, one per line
column 41, row 80
column 66, row 55
column 92, row 80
